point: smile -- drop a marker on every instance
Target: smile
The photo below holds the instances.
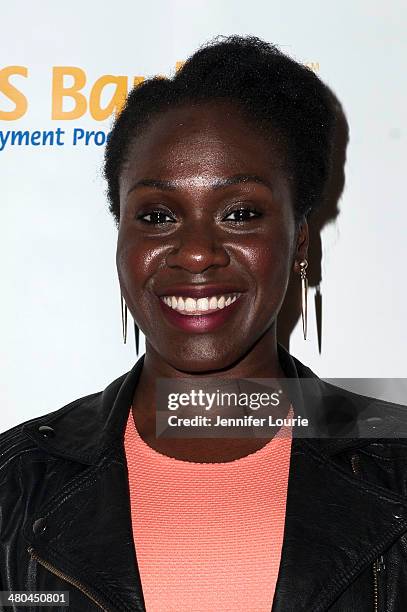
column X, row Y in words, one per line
column 201, row 306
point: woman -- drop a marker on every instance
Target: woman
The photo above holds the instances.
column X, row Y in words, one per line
column 211, row 178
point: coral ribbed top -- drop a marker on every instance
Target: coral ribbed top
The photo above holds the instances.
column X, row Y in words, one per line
column 208, row 536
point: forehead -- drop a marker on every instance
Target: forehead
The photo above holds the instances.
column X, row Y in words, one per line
column 199, row 140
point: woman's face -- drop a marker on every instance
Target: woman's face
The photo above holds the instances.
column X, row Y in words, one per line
column 207, row 236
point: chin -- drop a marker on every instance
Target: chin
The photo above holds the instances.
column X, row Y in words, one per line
column 199, row 360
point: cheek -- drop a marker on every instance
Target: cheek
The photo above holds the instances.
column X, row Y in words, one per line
column 137, row 261
column 267, row 259
column 272, row 276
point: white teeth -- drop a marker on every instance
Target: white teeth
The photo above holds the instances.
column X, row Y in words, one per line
column 213, row 303
column 202, row 304
column 189, row 305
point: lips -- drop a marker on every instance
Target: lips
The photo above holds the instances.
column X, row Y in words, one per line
column 205, row 305
column 199, row 308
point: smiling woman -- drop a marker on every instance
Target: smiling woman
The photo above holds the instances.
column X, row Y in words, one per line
column 212, row 178
column 206, row 211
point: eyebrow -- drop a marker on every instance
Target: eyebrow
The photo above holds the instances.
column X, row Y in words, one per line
column 217, row 184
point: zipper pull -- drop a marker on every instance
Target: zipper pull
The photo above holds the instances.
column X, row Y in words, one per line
column 380, row 565
column 355, row 463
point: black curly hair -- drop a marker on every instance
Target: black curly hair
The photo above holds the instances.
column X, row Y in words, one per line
column 280, row 97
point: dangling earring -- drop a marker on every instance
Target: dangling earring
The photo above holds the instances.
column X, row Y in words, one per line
column 136, row 336
column 304, row 291
column 124, row 318
column 124, row 325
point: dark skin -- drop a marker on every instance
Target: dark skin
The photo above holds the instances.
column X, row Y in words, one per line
column 198, row 238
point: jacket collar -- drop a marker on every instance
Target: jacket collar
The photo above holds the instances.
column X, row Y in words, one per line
column 84, row 429
column 336, row 524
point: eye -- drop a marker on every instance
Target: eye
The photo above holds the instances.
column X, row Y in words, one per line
column 242, row 214
column 156, row 217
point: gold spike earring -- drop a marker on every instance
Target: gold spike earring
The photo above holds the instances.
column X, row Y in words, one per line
column 124, row 325
column 304, row 291
column 124, row 318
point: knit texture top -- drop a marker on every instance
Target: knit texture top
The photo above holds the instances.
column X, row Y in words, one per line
column 208, row 536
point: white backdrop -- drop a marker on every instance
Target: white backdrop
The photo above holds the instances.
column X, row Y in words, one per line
column 60, row 308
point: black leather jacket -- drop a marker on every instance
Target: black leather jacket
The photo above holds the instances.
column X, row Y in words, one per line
column 65, row 522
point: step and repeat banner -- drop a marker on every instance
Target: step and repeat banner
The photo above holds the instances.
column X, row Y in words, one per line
column 65, row 72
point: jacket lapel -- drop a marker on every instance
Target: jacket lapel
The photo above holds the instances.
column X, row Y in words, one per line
column 335, row 527
column 336, row 524
column 88, row 536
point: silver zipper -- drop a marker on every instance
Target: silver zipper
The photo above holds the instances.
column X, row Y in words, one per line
column 65, row 577
column 378, row 564
column 375, row 588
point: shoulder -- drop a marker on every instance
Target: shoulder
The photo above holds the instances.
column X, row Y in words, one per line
column 362, row 401
column 78, row 425
column 348, row 412
column 14, row 442
column 365, row 416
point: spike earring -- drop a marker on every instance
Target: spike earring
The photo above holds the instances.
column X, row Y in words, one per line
column 124, row 318
column 304, row 291
column 136, row 336
column 124, row 325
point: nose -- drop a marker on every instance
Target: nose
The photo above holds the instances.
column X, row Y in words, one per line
column 198, row 250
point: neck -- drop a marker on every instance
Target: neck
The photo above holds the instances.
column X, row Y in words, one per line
column 260, row 362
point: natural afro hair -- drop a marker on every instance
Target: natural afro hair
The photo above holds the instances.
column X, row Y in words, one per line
column 278, row 96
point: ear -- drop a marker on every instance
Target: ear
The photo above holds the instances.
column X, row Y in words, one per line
column 302, row 244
